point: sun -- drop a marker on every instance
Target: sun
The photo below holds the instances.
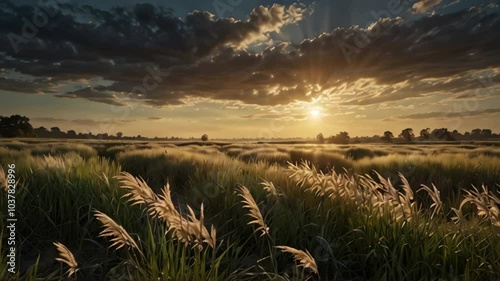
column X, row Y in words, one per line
column 315, row 112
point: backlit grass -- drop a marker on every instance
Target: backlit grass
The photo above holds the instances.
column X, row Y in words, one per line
column 255, row 212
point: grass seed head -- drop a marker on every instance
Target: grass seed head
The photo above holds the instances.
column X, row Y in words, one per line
column 304, row 259
column 138, row 191
column 119, row 236
column 65, row 256
column 254, row 211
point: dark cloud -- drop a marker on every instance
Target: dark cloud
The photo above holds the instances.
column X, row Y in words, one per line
column 490, row 111
column 201, row 56
column 81, row 122
column 49, row 119
column 38, row 86
column 93, row 95
column 145, row 33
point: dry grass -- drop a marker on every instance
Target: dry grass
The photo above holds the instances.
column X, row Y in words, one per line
column 254, row 211
column 366, row 219
column 65, row 256
column 487, row 204
column 434, row 193
column 304, row 259
column 271, row 190
column 163, row 207
column 3, row 179
column 364, row 192
column 119, row 236
column 190, row 230
column 138, row 191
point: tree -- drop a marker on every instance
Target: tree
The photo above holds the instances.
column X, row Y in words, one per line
column 320, row 138
column 42, row 132
column 340, row 138
column 425, row 133
column 407, row 134
column 443, row 134
column 56, row 132
column 16, row 126
column 476, row 132
column 71, row 134
column 119, row 135
column 486, row 133
column 387, row 136
column 204, row 137
column 26, row 128
column 456, row 135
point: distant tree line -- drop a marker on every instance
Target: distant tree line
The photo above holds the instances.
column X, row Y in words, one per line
column 19, row 126
column 16, row 126
column 340, row 138
column 407, row 135
column 439, row 134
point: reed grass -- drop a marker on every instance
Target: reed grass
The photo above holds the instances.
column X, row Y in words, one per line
column 401, row 213
column 66, row 256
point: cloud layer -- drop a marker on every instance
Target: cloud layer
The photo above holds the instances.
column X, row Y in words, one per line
column 423, row 6
column 156, row 59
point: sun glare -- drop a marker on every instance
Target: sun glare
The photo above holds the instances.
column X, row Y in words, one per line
column 315, row 112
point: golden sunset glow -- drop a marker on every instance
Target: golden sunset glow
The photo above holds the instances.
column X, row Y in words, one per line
column 315, row 113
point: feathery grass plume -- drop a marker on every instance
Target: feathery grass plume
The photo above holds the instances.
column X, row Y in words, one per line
column 317, row 182
column 436, row 198
column 459, row 217
column 138, row 190
column 65, row 256
column 321, row 185
column 251, row 205
column 487, row 204
column 162, row 207
column 269, row 187
column 181, row 228
column 399, row 203
column 344, row 186
column 120, row 236
column 3, row 179
column 495, row 211
column 480, row 199
column 372, row 189
column 187, row 231
column 55, row 163
column 406, row 187
column 105, row 179
column 305, row 173
column 305, row 259
column 191, row 230
column 209, row 238
column 198, row 229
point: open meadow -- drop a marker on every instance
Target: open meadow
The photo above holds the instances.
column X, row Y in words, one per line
column 115, row 210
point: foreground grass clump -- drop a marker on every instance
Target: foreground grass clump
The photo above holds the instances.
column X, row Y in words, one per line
column 210, row 213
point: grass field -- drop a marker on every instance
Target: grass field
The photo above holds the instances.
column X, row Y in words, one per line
column 161, row 211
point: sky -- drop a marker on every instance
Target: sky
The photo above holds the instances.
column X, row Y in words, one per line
column 251, row 69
